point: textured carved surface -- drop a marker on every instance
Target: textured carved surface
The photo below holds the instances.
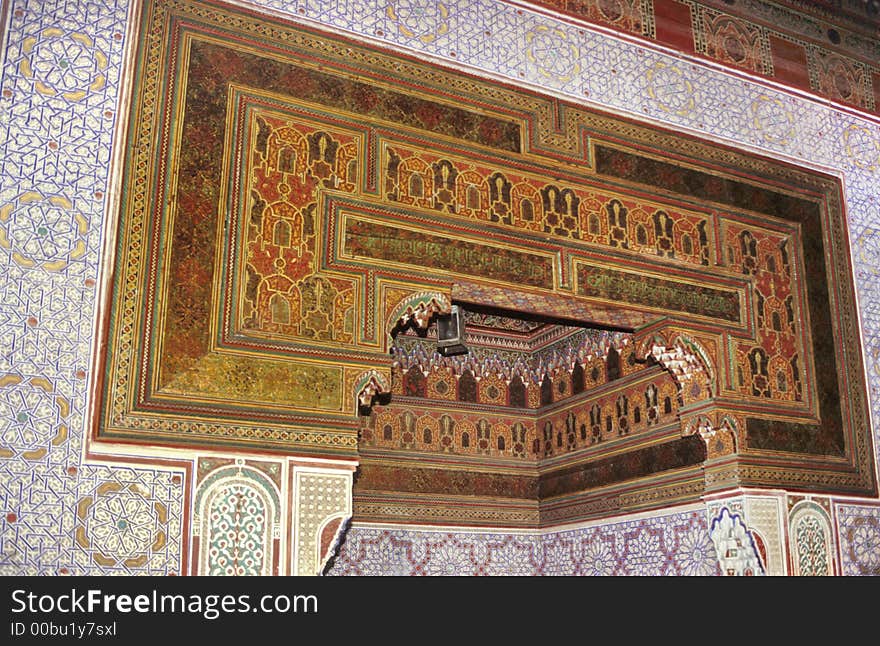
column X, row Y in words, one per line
column 45, row 327
column 319, row 498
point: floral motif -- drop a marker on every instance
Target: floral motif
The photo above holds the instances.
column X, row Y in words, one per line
column 121, row 524
column 868, row 246
column 238, row 523
column 67, row 65
column 388, row 558
column 449, row 559
column 862, row 147
column 671, row 89
column 42, row 232
column 812, row 553
column 839, row 77
column 695, row 555
column 772, row 120
column 597, row 558
column 644, row 554
column 866, row 540
column 509, row 558
column 734, row 41
column 32, row 418
column 555, row 56
column 864, row 544
column 422, row 19
column 558, row 557
column 667, row 545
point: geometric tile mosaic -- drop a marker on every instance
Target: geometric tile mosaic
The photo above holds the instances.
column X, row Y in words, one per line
column 89, row 520
column 58, row 102
column 674, row 544
column 859, row 539
column 811, row 541
column 62, row 66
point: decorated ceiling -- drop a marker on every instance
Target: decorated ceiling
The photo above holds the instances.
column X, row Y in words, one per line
column 666, row 353
column 651, row 317
column 827, row 47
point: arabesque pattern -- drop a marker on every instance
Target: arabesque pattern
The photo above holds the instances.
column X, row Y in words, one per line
column 61, row 79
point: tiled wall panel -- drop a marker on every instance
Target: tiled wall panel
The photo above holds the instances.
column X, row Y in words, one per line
column 59, row 92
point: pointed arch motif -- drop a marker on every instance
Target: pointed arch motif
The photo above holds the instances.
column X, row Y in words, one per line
column 237, row 523
column 368, row 386
column 417, row 309
column 720, row 435
column 687, row 361
column 735, row 545
column 812, row 541
column 287, row 151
